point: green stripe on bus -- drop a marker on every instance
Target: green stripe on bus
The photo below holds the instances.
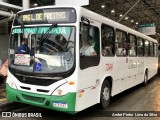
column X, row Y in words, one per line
column 41, row 30
column 41, row 100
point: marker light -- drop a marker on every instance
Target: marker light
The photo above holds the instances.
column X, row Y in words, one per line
column 112, row 11
column 120, row 15
column 71, row 83
column 35, row 4
column 126, row 18
column 102, row 6
column 12, row 85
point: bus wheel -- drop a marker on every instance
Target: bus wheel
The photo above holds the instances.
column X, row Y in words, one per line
column 105, row 94
column 145, row 78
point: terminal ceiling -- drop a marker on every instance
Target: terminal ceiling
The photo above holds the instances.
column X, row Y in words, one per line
column 146, row 11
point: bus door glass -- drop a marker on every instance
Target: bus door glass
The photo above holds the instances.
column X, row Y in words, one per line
column 89, row 46
column 89, row 74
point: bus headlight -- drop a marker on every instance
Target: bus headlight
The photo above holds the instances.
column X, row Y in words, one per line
column 64, row 89
column 59, row 92
column 11, row 83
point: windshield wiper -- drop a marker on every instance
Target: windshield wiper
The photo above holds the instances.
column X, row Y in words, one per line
column 47, row 35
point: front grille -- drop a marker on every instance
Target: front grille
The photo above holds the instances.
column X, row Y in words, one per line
column 27, row 88
column 45, row 91
column 35, row 81
column 35, row 99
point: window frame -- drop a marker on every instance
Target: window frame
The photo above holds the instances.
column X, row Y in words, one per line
column 148, row 48
column 129, row 41
column 113, row 39
column 152, row 48
column 142, row 46
column 155, row 44
column 89, row 61
column 126, row 40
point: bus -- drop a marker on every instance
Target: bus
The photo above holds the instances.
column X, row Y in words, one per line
column 77, row 58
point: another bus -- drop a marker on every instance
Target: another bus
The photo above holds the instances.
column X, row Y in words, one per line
column 56, row 75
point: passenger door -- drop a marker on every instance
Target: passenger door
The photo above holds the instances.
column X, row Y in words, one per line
column 89, row 56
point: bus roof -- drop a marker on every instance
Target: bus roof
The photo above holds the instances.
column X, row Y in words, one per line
column 99, row 18
column 114, row 24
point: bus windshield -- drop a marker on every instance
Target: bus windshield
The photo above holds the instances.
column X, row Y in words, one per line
column 42, row 49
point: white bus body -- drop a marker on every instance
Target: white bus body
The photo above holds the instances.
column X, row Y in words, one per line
column 83, row 88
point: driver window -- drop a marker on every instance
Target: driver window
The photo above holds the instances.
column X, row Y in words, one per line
column 89, row 46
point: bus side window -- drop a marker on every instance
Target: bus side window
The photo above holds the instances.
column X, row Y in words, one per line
column 107, row 40
column 155, row 50
column 89, row 46
column 151, row 49
column 132, row 45
column 146, row 48
column 140, row 47
column 121, row 43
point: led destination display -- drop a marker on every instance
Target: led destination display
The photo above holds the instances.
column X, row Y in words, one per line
column 56, row 15
column 51, row 16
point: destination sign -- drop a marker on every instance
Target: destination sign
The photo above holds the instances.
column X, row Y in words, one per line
column 42, row 30
column 40, row 16
column 51, row 16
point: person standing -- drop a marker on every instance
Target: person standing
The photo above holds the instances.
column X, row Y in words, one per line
column 3, row 72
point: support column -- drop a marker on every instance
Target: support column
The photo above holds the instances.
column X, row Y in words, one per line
column 26, row 4
column 6, row 28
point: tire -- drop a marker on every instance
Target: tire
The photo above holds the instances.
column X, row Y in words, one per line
column 145, row 78
column 105, row 95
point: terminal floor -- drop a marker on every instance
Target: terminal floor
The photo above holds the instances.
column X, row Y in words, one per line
column 2, row 94
column 139, row 98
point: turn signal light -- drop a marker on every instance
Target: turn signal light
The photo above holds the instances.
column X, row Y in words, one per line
column 71, row 83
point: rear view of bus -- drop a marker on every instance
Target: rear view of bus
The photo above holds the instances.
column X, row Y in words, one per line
column 42, row 58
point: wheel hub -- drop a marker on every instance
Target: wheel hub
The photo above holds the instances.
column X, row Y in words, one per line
column 106, row 94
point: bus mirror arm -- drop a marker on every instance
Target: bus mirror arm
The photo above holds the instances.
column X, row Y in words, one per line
column 85, row 19
column 88, row 21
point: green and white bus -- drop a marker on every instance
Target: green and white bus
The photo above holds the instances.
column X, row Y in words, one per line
column 55, row 75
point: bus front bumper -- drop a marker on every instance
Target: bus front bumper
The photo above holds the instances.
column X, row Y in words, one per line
column 64, row 103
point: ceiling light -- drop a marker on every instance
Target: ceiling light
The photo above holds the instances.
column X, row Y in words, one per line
column 120, row 15
column 137, row 23
column 126, row 18
column 132, row 21
column 102, row 6
column 35, row 4
column 112, row 11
